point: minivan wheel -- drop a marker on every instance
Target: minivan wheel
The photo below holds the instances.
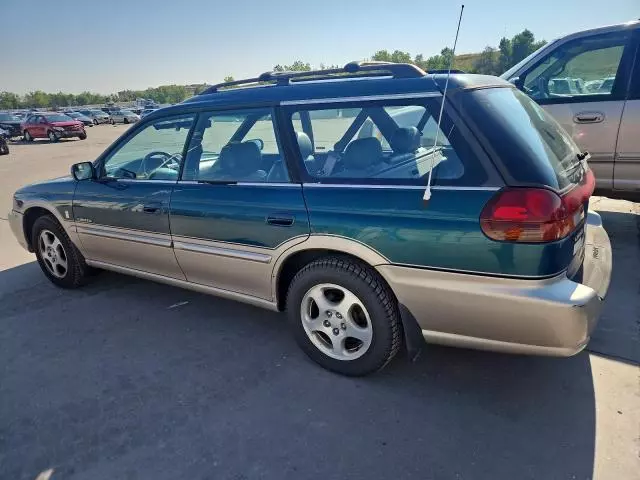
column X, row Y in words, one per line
column 27, row 136
column 126, row 120
column 344, row 316
column 57, row 256
column 82, row 136
column 95, row 121
column 52, row 136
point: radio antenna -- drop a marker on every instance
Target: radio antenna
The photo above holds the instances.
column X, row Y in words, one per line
column 427, row 192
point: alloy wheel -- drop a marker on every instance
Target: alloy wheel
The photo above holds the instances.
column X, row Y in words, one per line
column 336, row 321
column 52, row 253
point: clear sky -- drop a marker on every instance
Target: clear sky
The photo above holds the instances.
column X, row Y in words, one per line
column 109, row 45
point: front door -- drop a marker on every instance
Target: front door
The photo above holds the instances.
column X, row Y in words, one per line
column 583, row 84
column 235, row 209
column 122, row 218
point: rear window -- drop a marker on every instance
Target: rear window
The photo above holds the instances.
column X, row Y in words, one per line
column 531, row 145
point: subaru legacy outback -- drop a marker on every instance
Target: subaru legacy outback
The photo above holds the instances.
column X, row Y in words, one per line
column 305, row 193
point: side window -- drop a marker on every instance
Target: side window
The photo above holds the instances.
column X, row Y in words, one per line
column 42, row 120
column 153, row 153
column 238, row 146
column 583, row 67
column 384, row 144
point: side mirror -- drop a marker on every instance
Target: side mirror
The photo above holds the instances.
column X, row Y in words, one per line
column 83, row 171
column 258, row 141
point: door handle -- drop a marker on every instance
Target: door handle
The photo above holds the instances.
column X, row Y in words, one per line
column 588, row 117
column 152, row 208
column 280, row 220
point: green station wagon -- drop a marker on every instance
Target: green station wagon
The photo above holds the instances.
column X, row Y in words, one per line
column 305, row 193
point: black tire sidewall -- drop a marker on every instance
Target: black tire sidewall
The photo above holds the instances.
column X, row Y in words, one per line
column 378, row 353
column 76, row 267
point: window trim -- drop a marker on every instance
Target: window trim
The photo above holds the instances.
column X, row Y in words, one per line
column 634, row 89
column 620, row 86
column 491, row 176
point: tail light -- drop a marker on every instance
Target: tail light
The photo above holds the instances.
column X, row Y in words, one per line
column 535, row 215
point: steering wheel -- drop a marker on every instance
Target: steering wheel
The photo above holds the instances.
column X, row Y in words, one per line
column 169, row 159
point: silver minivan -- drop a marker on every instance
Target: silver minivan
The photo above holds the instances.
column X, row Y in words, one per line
column 590, row 82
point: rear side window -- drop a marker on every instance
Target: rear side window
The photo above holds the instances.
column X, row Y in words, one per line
column 527, row 140
column 384, row 142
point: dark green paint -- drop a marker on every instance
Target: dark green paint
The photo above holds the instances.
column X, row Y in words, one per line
column 446, row 234
column 238, row 213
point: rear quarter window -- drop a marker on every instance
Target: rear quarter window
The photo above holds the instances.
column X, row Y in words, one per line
column 526, row 142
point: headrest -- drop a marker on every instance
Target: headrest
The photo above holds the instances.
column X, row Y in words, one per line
column 405, row 140
column 362, row 153
column 305, row 145
column 240, row 158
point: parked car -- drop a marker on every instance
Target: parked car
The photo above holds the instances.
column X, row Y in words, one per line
column 11, row 124
column 4, row 146
column 86, row 121
column 51, row 125
column 590, row 82
column 147, row 111
column 98, row 116
column 123, row 116
column 281, row 204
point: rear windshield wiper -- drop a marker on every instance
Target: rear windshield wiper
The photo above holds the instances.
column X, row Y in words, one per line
column 218, row 182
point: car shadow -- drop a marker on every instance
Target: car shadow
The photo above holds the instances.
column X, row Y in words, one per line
column 617, row 334
column 127, row 378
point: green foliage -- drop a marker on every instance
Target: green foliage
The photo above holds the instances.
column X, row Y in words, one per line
column 297, row 66
column 228, row 78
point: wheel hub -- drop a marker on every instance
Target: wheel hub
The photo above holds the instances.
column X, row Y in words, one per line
column 336, row 321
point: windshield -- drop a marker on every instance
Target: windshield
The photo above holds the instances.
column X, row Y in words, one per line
column 9, row 117
column 512, row 71
column 57, row 117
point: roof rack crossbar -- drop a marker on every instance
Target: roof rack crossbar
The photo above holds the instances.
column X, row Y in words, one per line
column 350, row 70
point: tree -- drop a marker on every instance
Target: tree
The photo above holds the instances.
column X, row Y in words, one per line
column 297, row 66
column 504, row 58
column 9, row 100
column 487, row 62
column 522, row 45
column 228, row 78
column 381, row 56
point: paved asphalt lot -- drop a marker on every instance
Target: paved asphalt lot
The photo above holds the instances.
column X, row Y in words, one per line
column 128, row 379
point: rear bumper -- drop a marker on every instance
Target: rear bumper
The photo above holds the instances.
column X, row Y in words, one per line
column 552, row 316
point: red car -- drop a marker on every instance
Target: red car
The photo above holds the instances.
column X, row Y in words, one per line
column 53, row 126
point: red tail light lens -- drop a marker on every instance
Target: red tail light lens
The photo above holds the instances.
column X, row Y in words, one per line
column 535, row 215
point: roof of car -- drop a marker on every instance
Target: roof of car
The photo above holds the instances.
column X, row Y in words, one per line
column 336, row 88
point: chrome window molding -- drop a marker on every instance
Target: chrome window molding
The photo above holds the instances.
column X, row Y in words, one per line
column 222, row 252
column 365, row 98
column 398, row 187
column 242, row 184
column 135, row 180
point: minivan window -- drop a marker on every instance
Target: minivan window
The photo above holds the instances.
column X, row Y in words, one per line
column 524, row 135
column 581, row 67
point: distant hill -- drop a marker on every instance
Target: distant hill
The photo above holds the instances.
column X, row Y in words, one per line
column 465, row 61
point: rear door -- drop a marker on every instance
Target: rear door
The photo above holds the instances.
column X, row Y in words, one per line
column 626, row 175
column 583, row 84
column 236, row 209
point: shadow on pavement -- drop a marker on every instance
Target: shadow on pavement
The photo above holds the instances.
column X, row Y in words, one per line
column 617, row 334
column 123, row 379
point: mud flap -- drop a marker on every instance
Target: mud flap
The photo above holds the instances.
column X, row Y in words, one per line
column 412, row 334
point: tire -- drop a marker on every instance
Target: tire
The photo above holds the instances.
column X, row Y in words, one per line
column 63, row 251
column 364, row 323
column 27, row 136
column 52, row 136
column 95, row 121
column 83, row 136
column 126, row 121
column 112, row 121
column 4, row 147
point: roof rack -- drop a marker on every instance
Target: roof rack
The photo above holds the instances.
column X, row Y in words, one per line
column 350, row 70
